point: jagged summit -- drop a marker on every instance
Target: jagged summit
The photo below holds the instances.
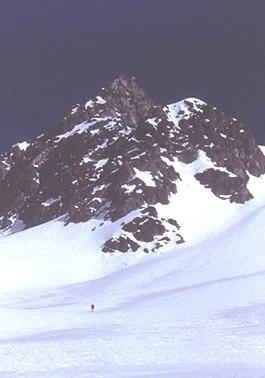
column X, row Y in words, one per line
column 117, row 157
column 123, row 98
column 126, row 96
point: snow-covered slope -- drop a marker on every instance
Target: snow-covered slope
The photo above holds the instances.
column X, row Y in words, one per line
column 196, row 310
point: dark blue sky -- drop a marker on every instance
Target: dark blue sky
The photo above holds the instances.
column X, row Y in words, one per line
column 55, row 53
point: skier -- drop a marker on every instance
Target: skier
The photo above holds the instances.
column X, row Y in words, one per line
column 92, row 307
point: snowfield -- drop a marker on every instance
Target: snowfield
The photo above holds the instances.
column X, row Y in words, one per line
column 190, row 311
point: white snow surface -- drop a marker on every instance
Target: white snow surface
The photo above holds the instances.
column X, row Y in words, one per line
column 181, row 109
column 195, row 310
column 23, row 145
column 145, row 176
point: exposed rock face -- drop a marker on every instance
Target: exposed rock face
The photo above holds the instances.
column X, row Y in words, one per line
column 224, row 185
column 119, row 153
column 130, row 100
column 147, row 228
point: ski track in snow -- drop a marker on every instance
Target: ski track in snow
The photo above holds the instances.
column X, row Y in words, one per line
column 192, row 311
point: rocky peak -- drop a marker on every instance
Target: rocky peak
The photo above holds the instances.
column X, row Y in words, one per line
column 117, row 156
column 122, row 98
column 128, row 98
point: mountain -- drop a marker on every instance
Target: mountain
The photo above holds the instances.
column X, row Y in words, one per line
column 120, row 174
column 118, row 158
